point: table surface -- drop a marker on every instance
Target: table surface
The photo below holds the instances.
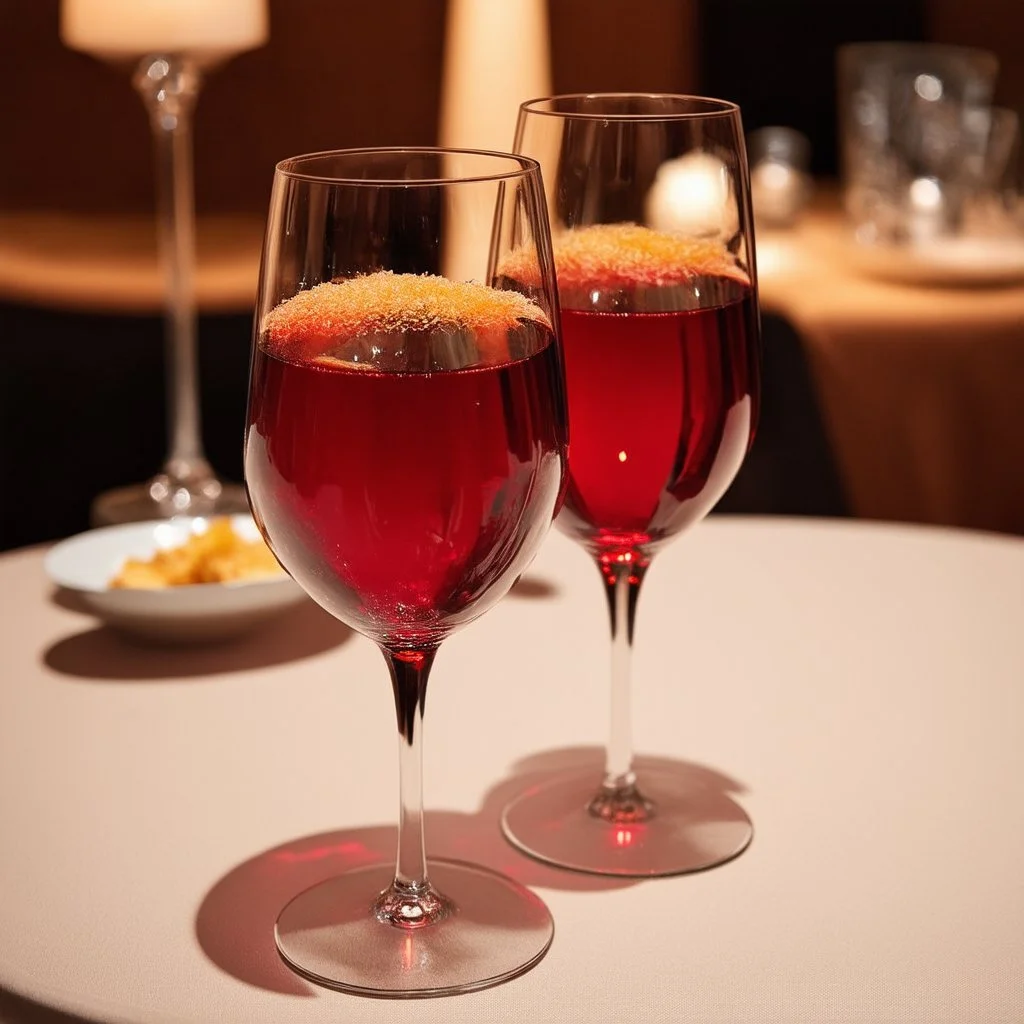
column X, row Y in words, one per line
column 815, row 273
column 859, row 688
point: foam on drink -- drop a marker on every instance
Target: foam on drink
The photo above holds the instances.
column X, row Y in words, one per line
column 612, row 259
column 321, row 323
column 629, row 254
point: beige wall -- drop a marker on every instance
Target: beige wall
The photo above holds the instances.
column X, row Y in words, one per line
column 335, row 73
column 996, row 25
column 339, row 73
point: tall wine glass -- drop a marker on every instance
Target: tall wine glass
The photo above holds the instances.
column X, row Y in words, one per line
column 170, row 47
column 404, row 456
column 653, row 243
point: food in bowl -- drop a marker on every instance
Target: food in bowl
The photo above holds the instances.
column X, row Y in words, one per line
column 217, row 554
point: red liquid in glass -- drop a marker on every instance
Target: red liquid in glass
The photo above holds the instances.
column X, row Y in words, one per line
column 662, row 410
column 406, row 503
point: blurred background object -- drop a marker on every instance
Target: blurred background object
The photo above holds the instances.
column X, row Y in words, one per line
column 495, row 56
column 929, row 172
column 914, row 126
column 169, row 49
column 995, row 208
column 694, row 195
column 779, row 182
column 78, row 269
column 123, row 31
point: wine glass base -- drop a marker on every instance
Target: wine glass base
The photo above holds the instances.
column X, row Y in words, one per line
column 136, row 503
column 690, row 829
column 498, row 930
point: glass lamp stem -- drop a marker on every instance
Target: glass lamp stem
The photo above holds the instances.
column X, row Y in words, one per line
column 619, row 800
column 169, row 86
column 410, row 901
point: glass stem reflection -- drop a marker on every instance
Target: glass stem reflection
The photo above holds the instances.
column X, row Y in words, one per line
column 619, row 800
column 410, row 901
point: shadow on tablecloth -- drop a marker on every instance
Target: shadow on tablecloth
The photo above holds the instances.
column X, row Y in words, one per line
column 100, row 653
column 16, row 1010
column 235, row 921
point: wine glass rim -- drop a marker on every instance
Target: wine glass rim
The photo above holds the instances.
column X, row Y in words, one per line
column 713, row 107
column 288, row 167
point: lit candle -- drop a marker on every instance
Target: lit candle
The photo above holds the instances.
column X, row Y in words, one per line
column 693, row 195
column 206, row 30
column 926, row 210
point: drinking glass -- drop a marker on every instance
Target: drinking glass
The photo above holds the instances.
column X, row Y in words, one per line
column 404, row 457
column 914, row 121
column 653, row 243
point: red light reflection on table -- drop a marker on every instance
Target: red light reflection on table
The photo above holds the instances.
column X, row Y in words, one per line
column 353, row 850
column 622, row 837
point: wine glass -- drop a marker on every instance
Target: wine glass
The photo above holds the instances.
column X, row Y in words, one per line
column 404, row 457
column 170, row 48
column 653, row 243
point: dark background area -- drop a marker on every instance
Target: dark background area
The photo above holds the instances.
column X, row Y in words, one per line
column 785, row 71
column 81, row 393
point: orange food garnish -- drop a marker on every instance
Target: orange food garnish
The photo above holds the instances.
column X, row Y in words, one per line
column 387, row 303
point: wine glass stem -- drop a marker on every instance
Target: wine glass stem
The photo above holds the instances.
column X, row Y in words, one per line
column 169, row 86
column 619, row 799
column 410, row 901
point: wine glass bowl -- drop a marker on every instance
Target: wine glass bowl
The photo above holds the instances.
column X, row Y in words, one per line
column 653, row 244
column 452, row 439
column 404, row 456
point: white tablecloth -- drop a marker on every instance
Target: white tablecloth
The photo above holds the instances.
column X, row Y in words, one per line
column 860, row 688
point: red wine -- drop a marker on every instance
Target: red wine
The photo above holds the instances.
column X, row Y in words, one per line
column 406, row 501
column 662, row 411
column 662, row 363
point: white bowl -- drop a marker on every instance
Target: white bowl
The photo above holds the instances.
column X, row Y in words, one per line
column 85, row 564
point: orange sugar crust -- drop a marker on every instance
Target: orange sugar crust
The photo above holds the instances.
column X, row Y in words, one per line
column 386, row 303
column 626, row 255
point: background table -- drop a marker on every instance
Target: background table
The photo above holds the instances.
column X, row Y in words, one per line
column 109, row 263
column 858, row 688
column 920, row 387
